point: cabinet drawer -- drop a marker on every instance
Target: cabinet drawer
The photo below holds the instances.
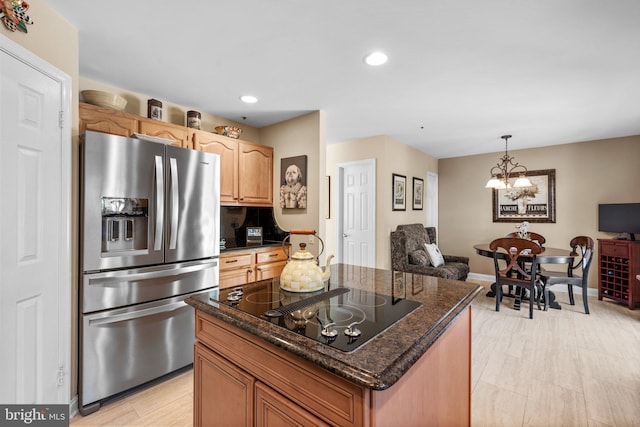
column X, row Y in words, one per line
column 611, row 249
column 271, row 256
column 270, row 270
column 235, row 261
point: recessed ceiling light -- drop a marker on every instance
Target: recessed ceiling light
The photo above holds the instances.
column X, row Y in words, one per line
column 376, row 58
column 249, row 99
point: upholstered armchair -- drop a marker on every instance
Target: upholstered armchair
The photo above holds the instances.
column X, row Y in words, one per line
column 408, row 254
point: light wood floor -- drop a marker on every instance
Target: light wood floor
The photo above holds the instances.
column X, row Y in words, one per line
column 562, row 368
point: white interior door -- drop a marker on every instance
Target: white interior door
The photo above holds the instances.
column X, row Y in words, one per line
column 35, row 295
column 357, row 213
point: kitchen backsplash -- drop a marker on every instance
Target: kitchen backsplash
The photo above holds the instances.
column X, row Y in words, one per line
column 235, row 220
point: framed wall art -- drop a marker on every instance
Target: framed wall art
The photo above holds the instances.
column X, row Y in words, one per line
column 293, row 182
column 399, row 186
column 418, row 193
column 534, row 204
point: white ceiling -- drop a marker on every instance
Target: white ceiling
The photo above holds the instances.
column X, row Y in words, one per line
column 461, row 73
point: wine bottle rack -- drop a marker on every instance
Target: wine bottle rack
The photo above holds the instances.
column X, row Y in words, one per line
column 619, row 265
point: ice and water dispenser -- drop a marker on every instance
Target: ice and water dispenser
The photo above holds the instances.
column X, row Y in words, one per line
column 125, row 222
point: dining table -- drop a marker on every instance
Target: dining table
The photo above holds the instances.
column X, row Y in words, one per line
column 547, row 256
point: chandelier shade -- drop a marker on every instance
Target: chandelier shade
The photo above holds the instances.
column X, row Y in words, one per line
column 506, row 169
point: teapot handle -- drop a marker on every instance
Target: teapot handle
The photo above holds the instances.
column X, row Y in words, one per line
column 301, row 231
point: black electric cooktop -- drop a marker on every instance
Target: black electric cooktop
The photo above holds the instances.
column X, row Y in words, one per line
column 342, row 318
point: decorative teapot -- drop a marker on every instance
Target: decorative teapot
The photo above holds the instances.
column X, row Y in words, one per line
column 302, row 273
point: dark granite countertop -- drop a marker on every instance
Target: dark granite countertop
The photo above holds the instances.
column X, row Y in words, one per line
column 380, row 362
column 230, row 247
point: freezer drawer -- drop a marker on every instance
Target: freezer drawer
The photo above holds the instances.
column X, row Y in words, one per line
column 124, row 348
column 112, row 289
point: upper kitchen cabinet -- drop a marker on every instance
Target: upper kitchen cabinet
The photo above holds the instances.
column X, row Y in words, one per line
column 115, row 122
column 246, row 169
column 227, row 148
column 106, row 120
column 255, row 165
column 178, row 133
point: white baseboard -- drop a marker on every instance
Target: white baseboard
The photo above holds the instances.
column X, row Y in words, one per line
column 578, row 291
column 73, row 407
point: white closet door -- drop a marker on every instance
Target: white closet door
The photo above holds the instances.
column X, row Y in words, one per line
column 34, row 288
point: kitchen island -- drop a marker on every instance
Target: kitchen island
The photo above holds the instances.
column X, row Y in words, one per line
column 252, row 370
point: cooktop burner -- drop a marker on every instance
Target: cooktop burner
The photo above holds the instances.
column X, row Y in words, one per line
column 342, row 318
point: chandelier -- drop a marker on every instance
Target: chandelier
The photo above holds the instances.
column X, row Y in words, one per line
column 505, row 169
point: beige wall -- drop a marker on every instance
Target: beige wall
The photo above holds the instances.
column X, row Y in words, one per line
column 299, row 136
column 391, row 157
column 587, row 173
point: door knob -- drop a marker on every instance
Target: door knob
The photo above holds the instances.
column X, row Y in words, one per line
column 346, row 235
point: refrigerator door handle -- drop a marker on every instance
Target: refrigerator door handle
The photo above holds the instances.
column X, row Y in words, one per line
column 137, row 314
column 175, row 198
column 159, row 204
column 117, row 276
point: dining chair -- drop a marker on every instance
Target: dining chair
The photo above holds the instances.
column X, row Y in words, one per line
column 515, row 252
column 537, row 238
column 582, row 249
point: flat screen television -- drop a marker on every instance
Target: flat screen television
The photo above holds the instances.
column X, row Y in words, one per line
column 619, row 218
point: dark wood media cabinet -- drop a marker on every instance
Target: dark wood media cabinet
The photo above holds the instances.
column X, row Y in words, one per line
column 619, row 264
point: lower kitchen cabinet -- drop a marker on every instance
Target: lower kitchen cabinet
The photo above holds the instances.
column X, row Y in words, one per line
column 223, row 392
column 306, row 395
column 269, row 263
column 236, row 268
column 225, row 395
column 272, row 409
column 250, row 265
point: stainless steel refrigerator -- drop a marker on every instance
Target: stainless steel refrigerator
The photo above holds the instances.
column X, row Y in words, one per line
column 150, row 234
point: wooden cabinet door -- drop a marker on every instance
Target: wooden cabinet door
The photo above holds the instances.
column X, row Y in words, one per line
column 223, row 393
column 255, row 181
column 269, row 271
column 178, row 133
column 106, row 120
column 237, row 277
column 273, row 410
column 227, row 148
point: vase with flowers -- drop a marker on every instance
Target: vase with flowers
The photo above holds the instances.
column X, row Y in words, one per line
column 523, row 230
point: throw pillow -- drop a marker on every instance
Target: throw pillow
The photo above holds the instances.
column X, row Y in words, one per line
column 418, row 257
column 434, row 254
